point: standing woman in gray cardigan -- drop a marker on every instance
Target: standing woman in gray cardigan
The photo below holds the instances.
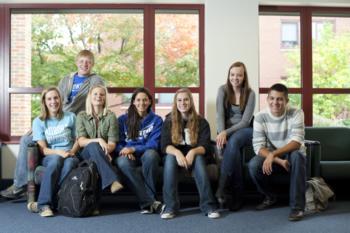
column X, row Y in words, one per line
column 235, row 105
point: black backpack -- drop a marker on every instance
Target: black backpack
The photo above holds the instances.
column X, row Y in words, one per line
column 79, row 193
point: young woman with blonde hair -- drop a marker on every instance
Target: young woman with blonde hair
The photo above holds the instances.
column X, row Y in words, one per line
column 186, row 140
column 97, row 133
column 54, row 131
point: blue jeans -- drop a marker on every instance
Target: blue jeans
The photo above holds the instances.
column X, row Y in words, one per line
column 232, row 164
column 144, row 186
column 56, row 169
column 20, row 176
column 297, row 186
column 94, row 152
column 170, row 186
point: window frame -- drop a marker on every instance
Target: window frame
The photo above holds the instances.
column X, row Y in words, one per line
column 306, row 90
column 149, row 11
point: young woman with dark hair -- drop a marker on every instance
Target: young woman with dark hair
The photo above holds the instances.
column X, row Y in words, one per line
column 139, row 134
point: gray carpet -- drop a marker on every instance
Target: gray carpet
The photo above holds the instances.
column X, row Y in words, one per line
column 124, row 217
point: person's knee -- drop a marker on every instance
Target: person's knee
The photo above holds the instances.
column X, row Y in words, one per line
column 233, row 141
column 26, row 139
column 297, row 159
column 56, row 162
column 199, row 163
column 92, row 146
column 71, row 162
column 150, row 157
column 254, row 165
column 170, row 161
column 123, row 162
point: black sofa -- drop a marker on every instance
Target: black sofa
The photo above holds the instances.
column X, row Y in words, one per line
column 334, row 152
column 186, row 181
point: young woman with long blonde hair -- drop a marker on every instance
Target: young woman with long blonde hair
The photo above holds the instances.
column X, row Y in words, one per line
column 186, row 140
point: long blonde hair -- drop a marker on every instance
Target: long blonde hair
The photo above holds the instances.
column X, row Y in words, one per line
column 44, row 111
column 88, row 105
column 176, row 120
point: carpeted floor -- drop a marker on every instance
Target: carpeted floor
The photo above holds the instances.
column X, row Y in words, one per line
column 123, row 216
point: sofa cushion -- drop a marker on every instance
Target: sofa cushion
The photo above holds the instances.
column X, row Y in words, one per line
column 335, row 144
column 332, row 170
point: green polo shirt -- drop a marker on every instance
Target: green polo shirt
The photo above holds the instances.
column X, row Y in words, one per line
column 107, row 127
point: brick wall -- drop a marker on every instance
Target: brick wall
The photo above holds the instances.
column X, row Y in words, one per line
column 20, row 73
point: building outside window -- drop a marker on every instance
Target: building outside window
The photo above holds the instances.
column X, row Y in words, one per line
column 289, row 34
column 315, row 68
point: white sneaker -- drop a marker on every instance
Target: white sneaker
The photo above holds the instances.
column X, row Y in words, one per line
column 213, row 214
column 167, row 215
column 46, row 211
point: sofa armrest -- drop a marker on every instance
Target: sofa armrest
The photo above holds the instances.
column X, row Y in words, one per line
column 32, row 163
column 313, row 151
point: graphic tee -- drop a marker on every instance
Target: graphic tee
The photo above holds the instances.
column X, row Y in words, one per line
column 58, row 133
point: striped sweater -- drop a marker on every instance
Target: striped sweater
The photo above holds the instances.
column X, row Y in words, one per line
column 275, row 132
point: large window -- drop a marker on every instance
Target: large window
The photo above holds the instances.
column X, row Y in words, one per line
column 316, row 67
column 156, row 46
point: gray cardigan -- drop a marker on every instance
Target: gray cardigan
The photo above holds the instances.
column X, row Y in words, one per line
column 221, row 113
column 78, row 104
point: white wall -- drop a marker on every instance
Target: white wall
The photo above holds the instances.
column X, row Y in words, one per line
column 231, row 34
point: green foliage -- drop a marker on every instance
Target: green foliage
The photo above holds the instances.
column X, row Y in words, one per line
column 35, row 106
column 116, row 41
column 118, row 45
column 184, row 73
column 331, row 69
column 295, row 100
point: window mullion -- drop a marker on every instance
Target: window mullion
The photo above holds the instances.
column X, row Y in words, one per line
column 149, row 49
column 306, row 62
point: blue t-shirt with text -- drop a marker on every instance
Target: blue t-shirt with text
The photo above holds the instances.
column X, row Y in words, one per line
column 77, row 82
column 58, row 133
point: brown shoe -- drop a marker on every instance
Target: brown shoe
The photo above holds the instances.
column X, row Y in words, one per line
column 296, row 215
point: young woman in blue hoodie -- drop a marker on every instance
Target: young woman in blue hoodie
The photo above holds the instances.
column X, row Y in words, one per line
column 139, row 140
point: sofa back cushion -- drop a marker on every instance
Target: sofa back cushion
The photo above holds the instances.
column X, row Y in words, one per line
column 335, row 142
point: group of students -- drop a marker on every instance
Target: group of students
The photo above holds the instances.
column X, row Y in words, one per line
column 140, row 137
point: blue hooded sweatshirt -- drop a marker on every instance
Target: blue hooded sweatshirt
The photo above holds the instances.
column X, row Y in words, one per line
column 149, row 134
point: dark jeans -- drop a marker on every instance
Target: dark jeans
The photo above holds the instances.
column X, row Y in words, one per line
column 94, row 152
column 297, row 172
column 170, row 186
column 144, row 186
column 232, row 165
column 56, row 169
